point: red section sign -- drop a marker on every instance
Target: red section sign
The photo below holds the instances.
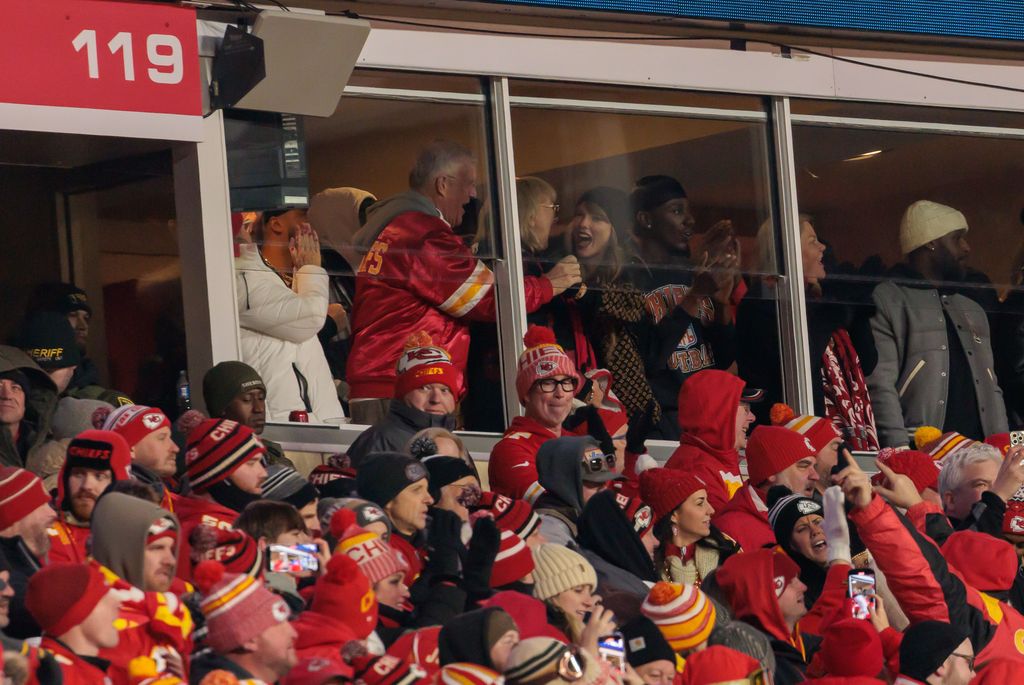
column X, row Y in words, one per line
column 100, row 54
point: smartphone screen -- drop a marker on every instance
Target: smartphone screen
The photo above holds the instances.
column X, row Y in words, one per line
column 296, row 560
column 861, row 588
column 612, row 649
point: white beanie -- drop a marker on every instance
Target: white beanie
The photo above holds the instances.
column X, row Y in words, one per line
column 924, row 221
column 559, row 569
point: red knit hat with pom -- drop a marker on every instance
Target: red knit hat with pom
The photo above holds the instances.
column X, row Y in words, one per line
column 235, row 549
column 939, row 445
column 542, row 358
column 423, row 363
column 851, row 647
column 515, row 515
column 513, row 561
column 665, row 489
column 237, row 607
column 344, row 593
column 917, row 466
column 816, row 429
column 376, row 558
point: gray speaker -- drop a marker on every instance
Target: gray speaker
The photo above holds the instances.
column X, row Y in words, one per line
column 309, row 59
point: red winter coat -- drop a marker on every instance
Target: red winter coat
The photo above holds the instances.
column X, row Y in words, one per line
column 74, row 669
column 193, row 512
column 67, row 542
column 512, row 469
column 418, row 275
column 320, row 635
column 745, row 520
column 927, row 589
column 708, row 401
column 419, row 647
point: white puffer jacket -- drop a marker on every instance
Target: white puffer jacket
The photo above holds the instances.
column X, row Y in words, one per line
column 279, row 326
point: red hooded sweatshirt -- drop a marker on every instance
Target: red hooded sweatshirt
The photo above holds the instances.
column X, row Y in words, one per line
column 708, row 401
column 745, row 519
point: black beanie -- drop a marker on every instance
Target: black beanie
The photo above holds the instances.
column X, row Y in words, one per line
column 18, row 376
column 616, row 205
column 645, row 643
column 383, row 475
column 49, row 339
column 652, row 192
column 785, row 509
column 470, row 636
column 444, row 471
column 926, row 646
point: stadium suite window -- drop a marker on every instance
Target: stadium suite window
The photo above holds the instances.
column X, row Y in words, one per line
column 856, row 183
column 649, row 185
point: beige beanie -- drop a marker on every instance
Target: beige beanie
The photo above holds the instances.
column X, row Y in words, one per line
column 924, row 221
column 559, row 569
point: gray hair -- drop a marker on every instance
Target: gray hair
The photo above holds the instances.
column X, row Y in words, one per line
column 438, row 158
column 952, row 474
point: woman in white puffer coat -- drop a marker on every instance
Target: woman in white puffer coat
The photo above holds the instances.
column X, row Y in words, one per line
column 279, row 326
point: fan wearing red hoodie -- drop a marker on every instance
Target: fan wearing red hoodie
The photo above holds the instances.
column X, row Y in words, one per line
column 546, row 381
column 775, row 456
column 343, row 610
column 925, row 584
column 224, row 466
column 95, row 459
column 714, row 415
column 764, row 590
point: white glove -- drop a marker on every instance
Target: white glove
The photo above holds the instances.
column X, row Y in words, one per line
column 837, row 532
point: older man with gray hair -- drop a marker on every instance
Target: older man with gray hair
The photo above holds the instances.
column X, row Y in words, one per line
column 416, row 274
column 976, row 482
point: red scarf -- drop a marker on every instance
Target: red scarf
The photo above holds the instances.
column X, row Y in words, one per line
column 847, row 402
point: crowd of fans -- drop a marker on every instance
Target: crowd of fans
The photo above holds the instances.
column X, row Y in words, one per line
column 139, row 550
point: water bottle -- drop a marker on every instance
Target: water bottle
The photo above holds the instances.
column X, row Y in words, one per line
column 184, row 393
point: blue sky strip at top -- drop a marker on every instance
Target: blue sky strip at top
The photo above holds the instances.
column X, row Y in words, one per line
column 993, row 19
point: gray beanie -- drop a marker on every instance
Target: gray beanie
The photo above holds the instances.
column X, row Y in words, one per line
column 74, row 416
column 559, row 569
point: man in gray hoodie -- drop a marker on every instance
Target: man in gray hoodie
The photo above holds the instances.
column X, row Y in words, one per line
column 136, row 540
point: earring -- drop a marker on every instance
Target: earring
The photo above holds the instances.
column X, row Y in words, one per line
column 932, row 248
column 648, row 226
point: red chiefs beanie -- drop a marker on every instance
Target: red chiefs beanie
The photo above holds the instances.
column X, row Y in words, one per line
column 916, row 465
column 542, row 358
column 133, row 422
column 513, row 560
column 851, row 647
column 101, row 450
column 237, row 607
column 235, row 549
column 771, row 449
column 423, row 363
column 21, row 493
column 816, row 429
column 61, row 596
column 963, row 550
column 514, row 515
column 376, row 558
column 665, row 489
column 718, row 664
column 216, row 448
column 344, row 593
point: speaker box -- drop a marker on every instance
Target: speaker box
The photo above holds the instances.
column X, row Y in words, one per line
column 308, row 60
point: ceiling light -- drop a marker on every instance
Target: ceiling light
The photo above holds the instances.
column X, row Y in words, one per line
column 864, row 155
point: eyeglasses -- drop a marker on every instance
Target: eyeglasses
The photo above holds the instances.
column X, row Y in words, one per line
column 569, row 666
column 968, row 659
column 548, row 384
column 554, row 207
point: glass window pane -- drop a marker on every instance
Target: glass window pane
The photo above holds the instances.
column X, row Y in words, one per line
column 642, row 201
column 888, row 111
column 932, row 312
column 358, row 163
column 650, row 96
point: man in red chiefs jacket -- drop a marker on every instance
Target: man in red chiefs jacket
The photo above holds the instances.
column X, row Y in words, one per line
column 546, row 382
column 417, row 274
column 95, row 459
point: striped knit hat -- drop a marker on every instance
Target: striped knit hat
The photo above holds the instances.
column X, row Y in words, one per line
column 235, row 549
column 515, row 515
column 376, row 558
column 538, row 660
column 939, row 445
column 683, row 614
column 468, row 674
column 21, row 493
column 237, row 607
column 513, row 561
column 558, row 569
column 133, row 422
column 542, row 358
column 390, row 670
column 285, row 484
column 217, row 448
column 816, row 429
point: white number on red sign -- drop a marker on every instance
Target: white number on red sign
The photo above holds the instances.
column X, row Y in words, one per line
column 162, row 50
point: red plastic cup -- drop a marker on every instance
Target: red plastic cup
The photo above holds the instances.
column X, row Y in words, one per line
column 298, row 416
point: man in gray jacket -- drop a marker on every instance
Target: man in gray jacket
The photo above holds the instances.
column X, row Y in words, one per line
column 935, row 364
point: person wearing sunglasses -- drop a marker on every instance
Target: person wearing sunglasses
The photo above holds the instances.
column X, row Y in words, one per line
column 571, row 470
column 546, row 381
